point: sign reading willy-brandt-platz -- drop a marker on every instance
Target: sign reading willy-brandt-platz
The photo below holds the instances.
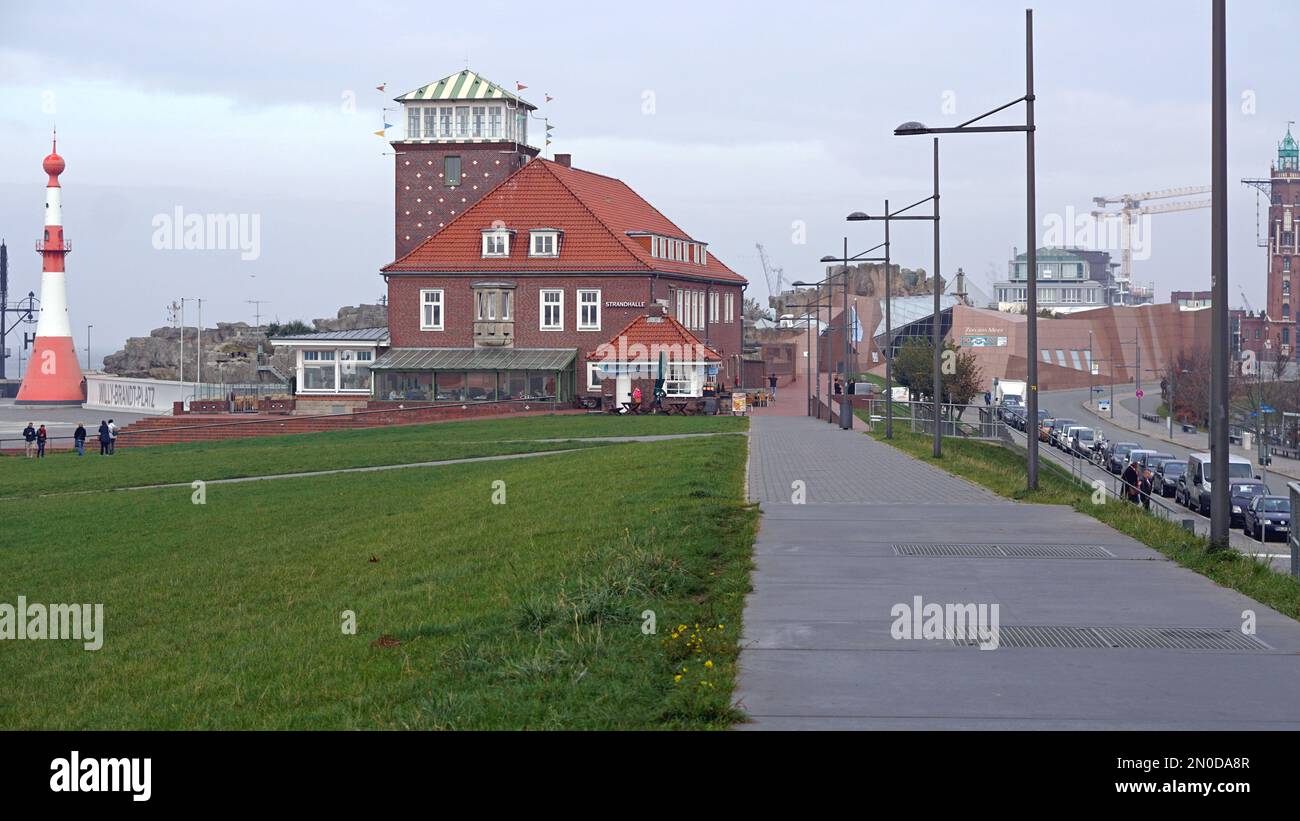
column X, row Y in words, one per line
column 108, row 392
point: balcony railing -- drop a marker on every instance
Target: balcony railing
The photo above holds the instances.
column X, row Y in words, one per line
column 64, row 246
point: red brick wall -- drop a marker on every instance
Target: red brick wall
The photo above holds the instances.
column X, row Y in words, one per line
column 458, row 307
column 423, row 202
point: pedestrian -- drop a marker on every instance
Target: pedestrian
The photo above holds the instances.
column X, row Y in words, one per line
column 1144, row 488
column 112, row 437
column 79, row 439
column 771, row 384
column 41, row 436
column 839, row 386
column 988, row 398
column 29, row 440
column 103, row 438
column 1131, row 479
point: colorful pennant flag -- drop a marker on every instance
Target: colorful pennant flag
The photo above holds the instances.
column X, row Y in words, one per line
column 519, row 86
column 380, row 87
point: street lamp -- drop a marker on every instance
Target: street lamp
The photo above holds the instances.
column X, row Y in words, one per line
column 1220, row 503
column 937, row 324
column 829, row 304
column 808, row 358
column 807, row 325
column 846, row 417
column 1031, row 223
column 858, row 216
column 88, row 327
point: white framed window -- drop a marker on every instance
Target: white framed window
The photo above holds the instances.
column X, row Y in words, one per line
column 731, row 307
column 431, row 309
column 318, row 372
column 413, row 123
column 713, row 306
column 496, row 243
column 697, row 314
column 494, row 122
column 462, row 121
column 545, row 244
column 552, row 312
column 444, row 120
column 589, row 309
column 430, row 123
column 681, row 307
column 480, row 120
column 593, row 381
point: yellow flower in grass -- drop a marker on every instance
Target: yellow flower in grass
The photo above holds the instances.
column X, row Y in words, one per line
column 709, row 664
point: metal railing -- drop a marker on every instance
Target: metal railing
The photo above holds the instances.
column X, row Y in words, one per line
column 963, row 421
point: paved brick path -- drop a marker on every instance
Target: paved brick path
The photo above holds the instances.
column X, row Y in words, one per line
column 818, row 651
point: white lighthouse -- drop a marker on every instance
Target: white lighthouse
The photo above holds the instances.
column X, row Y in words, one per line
column 53, row 374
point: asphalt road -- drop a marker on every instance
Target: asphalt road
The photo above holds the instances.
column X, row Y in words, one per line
column 1071, row 405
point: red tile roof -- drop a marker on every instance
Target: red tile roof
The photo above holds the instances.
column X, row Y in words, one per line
column 652, row 334
column 595, row 212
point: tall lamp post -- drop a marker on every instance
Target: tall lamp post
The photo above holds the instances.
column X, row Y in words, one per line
column 88, row 327
column 936, row 320
column 808, row 357
column 1220, row 504
column 1031, row 224
column 846, row 326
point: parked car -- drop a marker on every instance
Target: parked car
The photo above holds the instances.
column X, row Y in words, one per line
column 1268, row 515
column 1194, row 485
column 1153, row 461
column 1045, row 428
column 1054, row 435
column 1137, row 455
column 1243, row 493
column 1166, row 480
column 1117, row 456
column 1078, row 440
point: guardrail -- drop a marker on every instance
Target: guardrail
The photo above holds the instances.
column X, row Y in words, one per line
column 964, row 421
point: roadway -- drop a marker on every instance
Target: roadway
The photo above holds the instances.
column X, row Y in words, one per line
column 1072, row 404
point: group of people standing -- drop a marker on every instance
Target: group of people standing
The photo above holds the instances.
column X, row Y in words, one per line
column 1137, row 484
column 35, row 438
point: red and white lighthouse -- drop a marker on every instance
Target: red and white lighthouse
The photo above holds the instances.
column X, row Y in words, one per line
column 53, row 374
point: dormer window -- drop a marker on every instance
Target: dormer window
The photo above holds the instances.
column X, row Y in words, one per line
column 545, row 243
column 496, row 242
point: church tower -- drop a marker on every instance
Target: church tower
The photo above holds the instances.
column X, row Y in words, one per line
column 464, row 135
column 1283, row 250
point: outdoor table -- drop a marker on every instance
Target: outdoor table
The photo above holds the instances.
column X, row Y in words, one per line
column 633, row 407
column 678, row 407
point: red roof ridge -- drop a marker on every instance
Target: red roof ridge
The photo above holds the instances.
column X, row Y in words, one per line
column 688, row 336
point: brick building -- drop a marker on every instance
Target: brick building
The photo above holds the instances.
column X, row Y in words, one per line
column 508, row 298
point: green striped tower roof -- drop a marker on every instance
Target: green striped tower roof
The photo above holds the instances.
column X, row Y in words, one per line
column 463, row 85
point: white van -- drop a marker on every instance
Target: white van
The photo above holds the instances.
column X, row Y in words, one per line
column 1195, row 484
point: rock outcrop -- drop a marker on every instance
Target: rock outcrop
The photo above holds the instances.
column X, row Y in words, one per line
column 230, row 350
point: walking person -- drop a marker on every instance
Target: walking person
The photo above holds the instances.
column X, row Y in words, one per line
column 79, row 439
column 29, row 440
column 103, row 438
column 41, row 436
column 1131, row 479
column 112, row 437
column 771, row 384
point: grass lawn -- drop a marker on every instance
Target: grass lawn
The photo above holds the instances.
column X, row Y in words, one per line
column 527, row 614
column 1003, row 471
column 163, row 464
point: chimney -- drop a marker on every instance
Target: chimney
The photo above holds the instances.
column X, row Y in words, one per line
column 565, row 160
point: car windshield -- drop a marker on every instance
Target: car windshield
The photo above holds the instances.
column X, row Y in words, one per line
column 1249, row 489
column 1174, row 468
column 1277, row 505
column 1083, row 433
column 1123, row 448
column 1064, row 423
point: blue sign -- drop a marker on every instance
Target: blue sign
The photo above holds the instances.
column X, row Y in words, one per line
column 1267, row 409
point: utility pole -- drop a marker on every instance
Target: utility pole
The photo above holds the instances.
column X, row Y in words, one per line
column 1137, row 343
column 257, row 310
column 198, row 359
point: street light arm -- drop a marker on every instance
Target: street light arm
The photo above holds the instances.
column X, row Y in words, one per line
column 1018, row 100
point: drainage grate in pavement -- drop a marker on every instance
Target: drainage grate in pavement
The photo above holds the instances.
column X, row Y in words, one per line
column 1105, row 638
column 1004, row 551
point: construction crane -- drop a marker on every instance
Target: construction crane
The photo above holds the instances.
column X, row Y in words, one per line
column 1131, row 205
column 775, row 276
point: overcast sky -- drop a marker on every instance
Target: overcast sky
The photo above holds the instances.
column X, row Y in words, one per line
column 765, row 116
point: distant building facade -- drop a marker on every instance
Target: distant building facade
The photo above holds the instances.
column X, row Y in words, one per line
column 1068, row 280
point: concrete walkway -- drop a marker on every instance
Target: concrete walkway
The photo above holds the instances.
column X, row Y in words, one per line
column 818, row 651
